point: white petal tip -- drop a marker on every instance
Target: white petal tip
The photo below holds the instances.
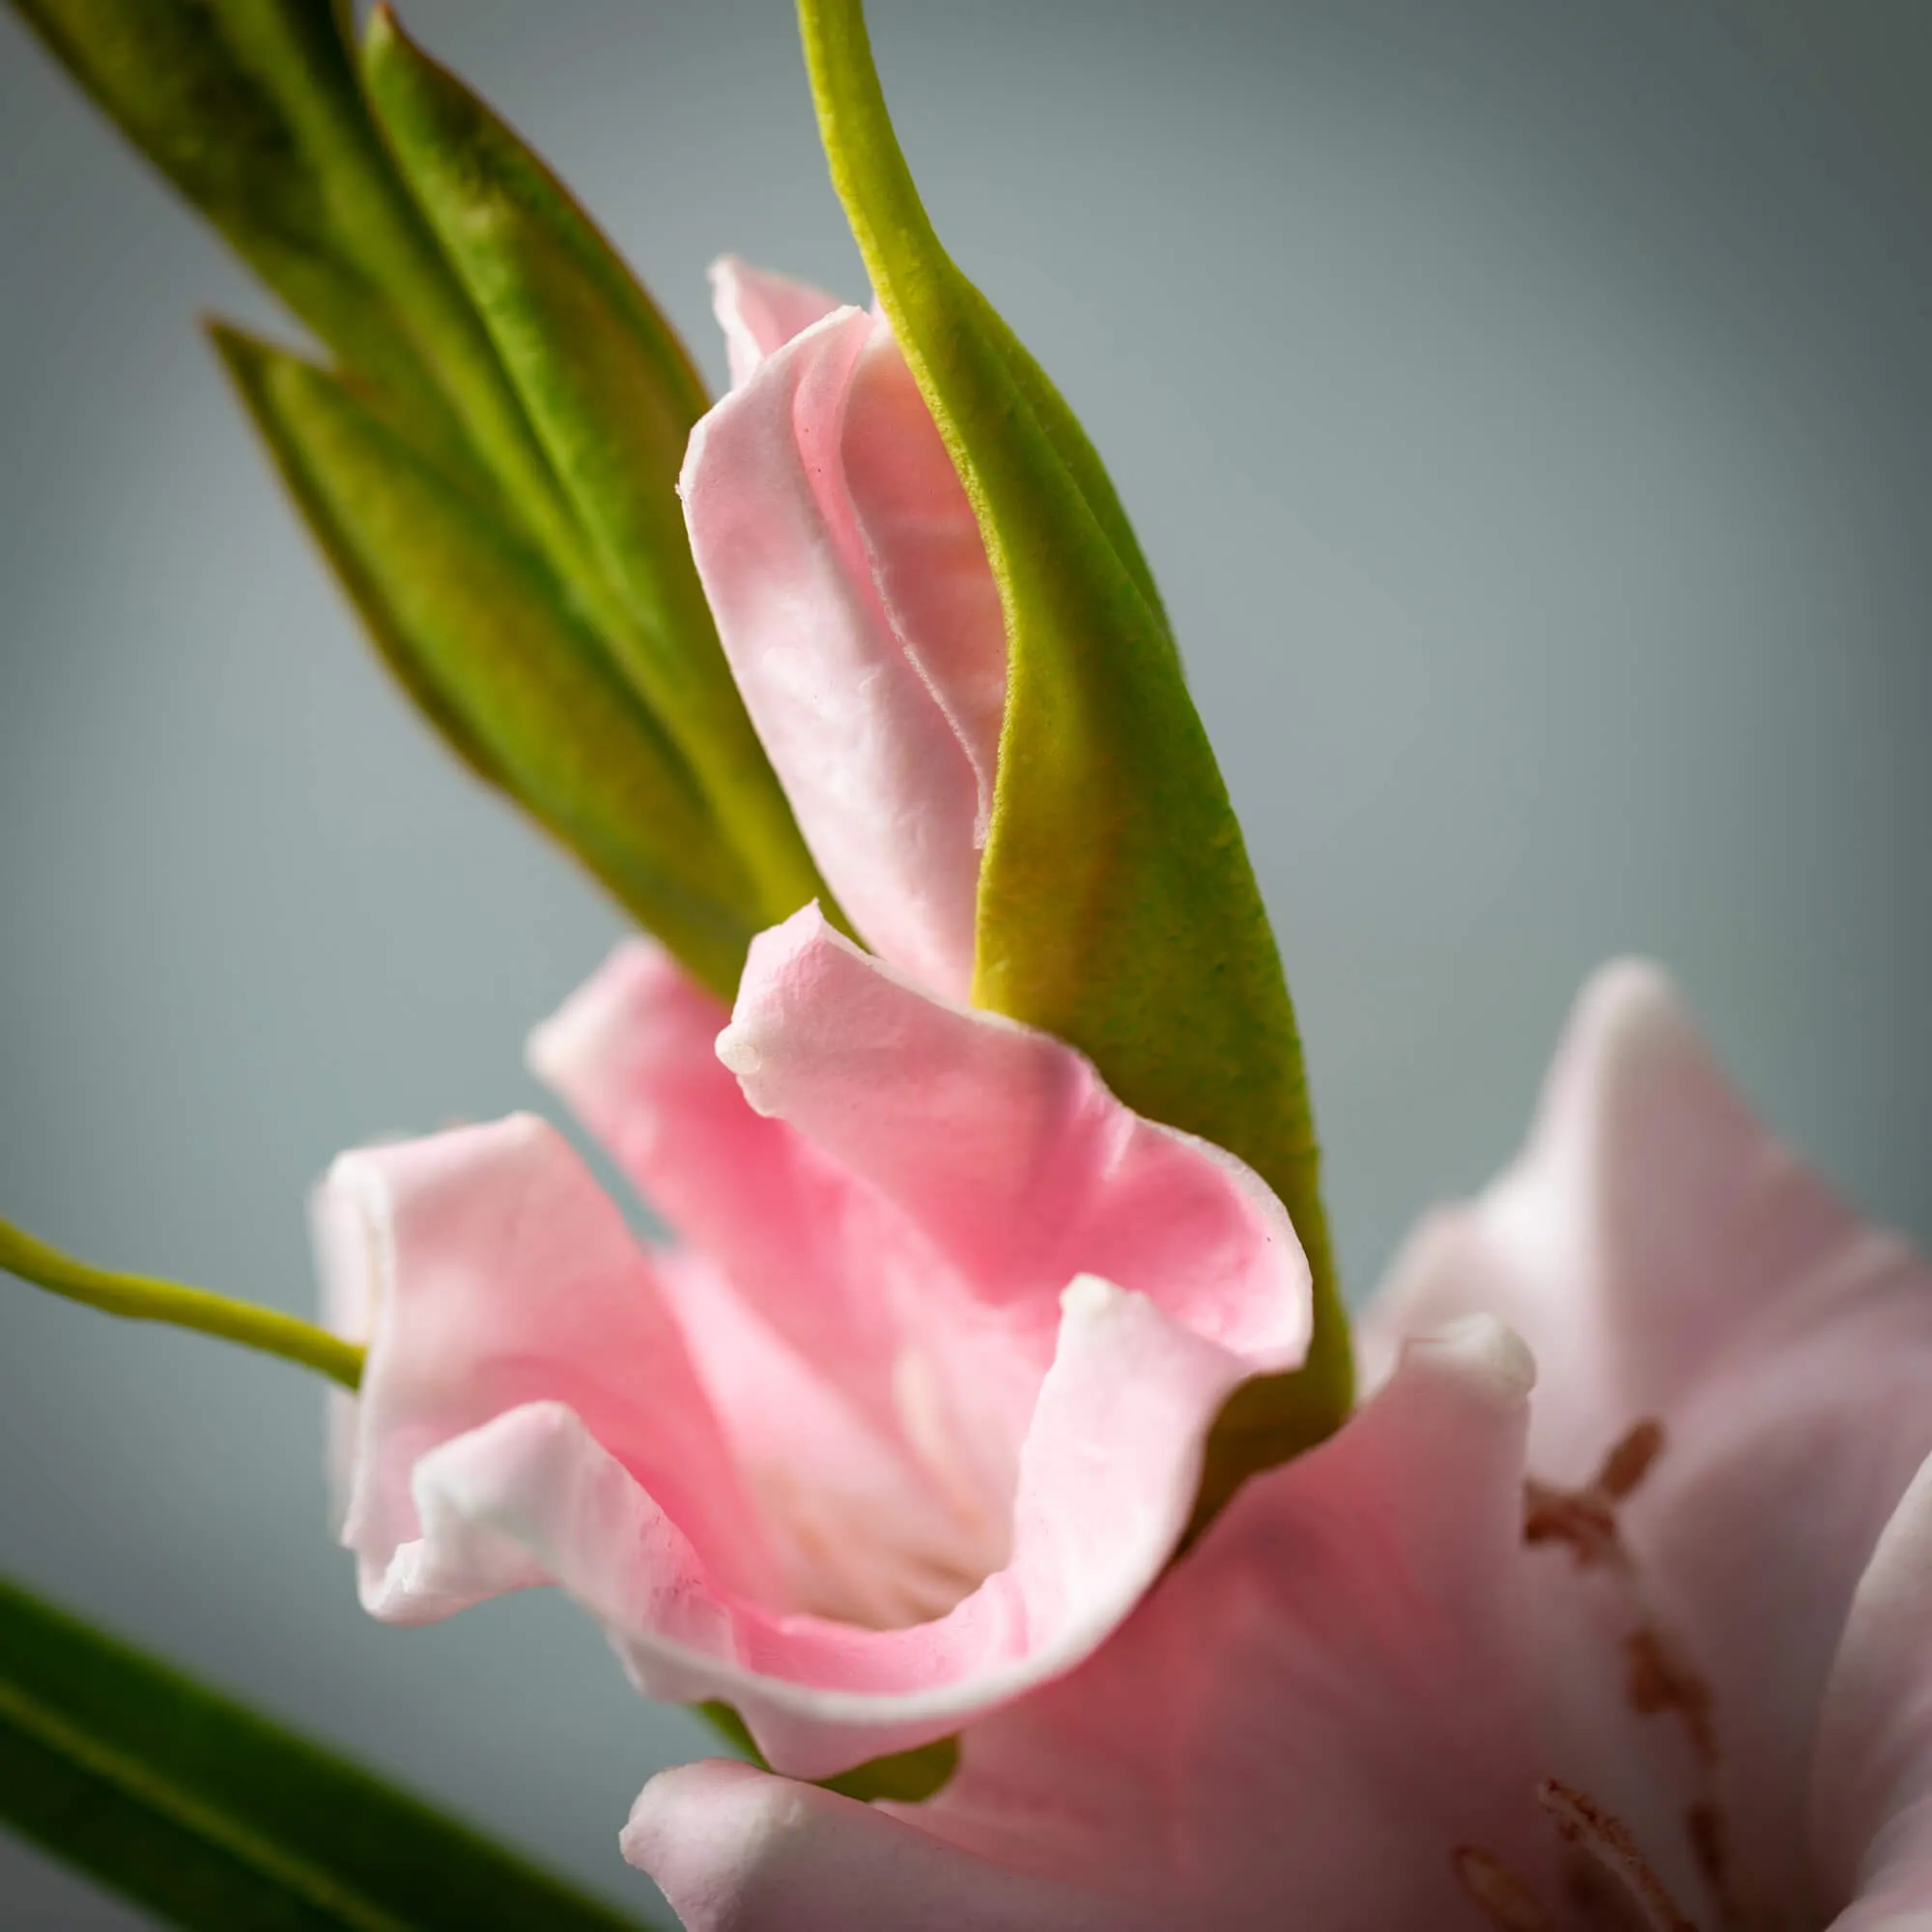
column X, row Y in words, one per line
column 739, row 1052
column 1629, row 996
column 1480, row 1344
column 1086, row 1299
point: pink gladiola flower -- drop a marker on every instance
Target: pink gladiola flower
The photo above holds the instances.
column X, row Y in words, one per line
column 908, row 1420
column 1651, row 1647
column 853, row 598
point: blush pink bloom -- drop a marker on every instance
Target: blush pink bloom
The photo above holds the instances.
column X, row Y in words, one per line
column 854, row 601
column 904, row 1423
column 1651, row 1647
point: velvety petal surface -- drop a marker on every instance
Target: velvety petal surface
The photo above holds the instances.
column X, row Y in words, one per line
column 1309, row 1722
column 1667, row 1259
column 853, row 598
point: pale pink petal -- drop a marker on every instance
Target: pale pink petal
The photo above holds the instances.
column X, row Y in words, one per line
column 864, row 1528
column 1014, row 1170
column 1106, row 1480
column 1667, row 1259
column 635, row 1054
column 904, row 1236
column 1005, row 1149
column 1641, row 1766
column 1306, row 1722
column 799, row 1293
column 928, row 558
column 737, row 1849
column 760, row 312
column 839, row 556
column 1871, row 1792
column 490, row 1272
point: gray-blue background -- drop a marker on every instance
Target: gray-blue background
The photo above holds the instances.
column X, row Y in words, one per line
column 1528, row 409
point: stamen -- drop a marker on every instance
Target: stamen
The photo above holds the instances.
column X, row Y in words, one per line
column 1704, row 1827
column 1628, row 1463
column 1661, row 1681
column 1510, row 1904
column 1584, row 1823
column 1584, row 1520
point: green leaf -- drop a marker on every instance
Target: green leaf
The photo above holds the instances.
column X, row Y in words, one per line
column 136, row 1298
column 215, row 1818
column 251, row 109
column 478, row 316
column 613, row 396
column 478, row 630
column 1118, row 908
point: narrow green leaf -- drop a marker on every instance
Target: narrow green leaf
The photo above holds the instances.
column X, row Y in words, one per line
column 142, row 1299
column 1118, row 908
column 215, row 1818
column 254, row 110
column 613, row 396
column 476, row 626
column 253, row 113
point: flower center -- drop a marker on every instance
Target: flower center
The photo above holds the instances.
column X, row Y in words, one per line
column 1608, row 1881
column 1607, row 1878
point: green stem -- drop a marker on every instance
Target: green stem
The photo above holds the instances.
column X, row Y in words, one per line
column 141, row 1299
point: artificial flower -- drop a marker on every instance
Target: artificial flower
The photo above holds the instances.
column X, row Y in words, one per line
column 907, row 1421
column 1648, row 1647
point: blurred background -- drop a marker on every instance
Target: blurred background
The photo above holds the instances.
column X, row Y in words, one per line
column 1528, row 410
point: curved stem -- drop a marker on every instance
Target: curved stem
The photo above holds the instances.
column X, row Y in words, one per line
column 141, row 1299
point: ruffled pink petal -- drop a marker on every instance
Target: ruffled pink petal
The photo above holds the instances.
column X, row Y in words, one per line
column 1309, row 1722
column 488, row 1273
column 1013, row 1170
column 1667, row 1259
column 1004, row 1148
column 854, row 601
column 864, row 1528
column 760, row 312
column 633, row 1052
column 1107, row 1477
column 1871, row 1790
column 903, row 1236
column 567, row 1439
column 774, row 1288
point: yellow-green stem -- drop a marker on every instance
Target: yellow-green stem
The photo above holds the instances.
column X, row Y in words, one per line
column 142, row 1299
